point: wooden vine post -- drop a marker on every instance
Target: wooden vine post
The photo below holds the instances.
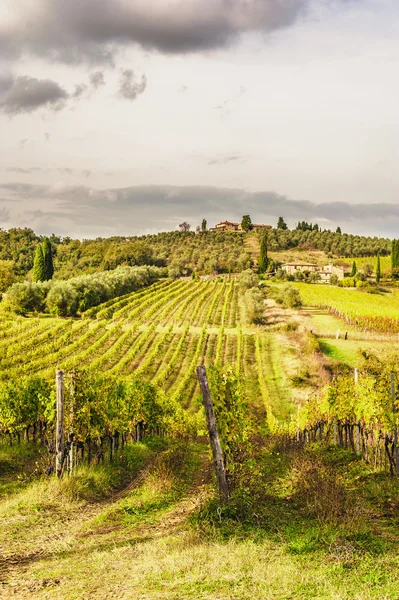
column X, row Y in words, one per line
column 59, row 432
column 395, row 433
column 358, row 426
column 213, row 435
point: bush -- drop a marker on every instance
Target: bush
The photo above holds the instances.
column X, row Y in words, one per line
column 66, row 298
column 254, row 302
column 25, row 297
column 291, row 297
column 248, row 279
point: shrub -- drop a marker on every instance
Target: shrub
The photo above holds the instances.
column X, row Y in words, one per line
column 248, row 279
column 254, row 301
column 25, row 297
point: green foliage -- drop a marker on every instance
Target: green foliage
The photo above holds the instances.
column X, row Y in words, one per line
column 39, row 266
column 26, row 297
column 246, row 223
column 263, row 258
column 354, row 269
column 7, row 274
column 378, row 269
column 255, row 305
column 203, row 226
column 248, row 279
column 281, row 224
column 232, row 415
column 48, row 258
column 102, row 404
column 395, row 259
column 288, row 296
column 305, row 226
column 67, row 298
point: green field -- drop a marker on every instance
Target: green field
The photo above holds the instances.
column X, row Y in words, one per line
column 147, row 525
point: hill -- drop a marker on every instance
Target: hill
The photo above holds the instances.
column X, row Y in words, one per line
column 182, row 252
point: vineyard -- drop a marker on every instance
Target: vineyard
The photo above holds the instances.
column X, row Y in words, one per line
column 371, row 312
column 157, row 336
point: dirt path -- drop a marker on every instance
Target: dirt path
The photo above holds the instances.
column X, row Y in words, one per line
column 84, row 530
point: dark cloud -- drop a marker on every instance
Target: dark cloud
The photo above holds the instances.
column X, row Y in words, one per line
column 129, row 86
column 75, row 31
column 27, row 94
column 97, row 79
column 135, row 210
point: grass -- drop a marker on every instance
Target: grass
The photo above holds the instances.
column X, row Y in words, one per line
column 301, row 525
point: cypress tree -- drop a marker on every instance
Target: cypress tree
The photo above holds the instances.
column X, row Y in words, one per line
column 354, row 269
column 39, row 265
column 378, row 269
column 263, row 259
column 48, row 258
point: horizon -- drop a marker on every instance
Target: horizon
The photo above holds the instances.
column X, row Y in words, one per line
column 115, row 125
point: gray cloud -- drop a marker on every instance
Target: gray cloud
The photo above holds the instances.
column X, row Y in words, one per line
column 80, row 89
column 129, row 86
column 27, row 94
column 75, row 31
column 97, row 79
column 82, row 211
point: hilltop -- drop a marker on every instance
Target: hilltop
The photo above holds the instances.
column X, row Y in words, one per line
column 183, row 252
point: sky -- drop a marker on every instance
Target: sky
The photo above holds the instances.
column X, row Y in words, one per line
column 125, row 117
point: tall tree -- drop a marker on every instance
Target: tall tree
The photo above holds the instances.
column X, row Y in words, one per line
column 354, row 269
column 281, row 224
column 39, row 265
column 48, row 258
column 263, row 259
column 395, row 258
column 338, row 230
column 203, row 225
column 246, row 223
column 378, row 269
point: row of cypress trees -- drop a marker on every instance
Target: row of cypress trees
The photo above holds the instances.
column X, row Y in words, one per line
column 43, row 268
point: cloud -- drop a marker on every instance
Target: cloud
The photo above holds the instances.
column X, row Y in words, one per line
column 97, row 79
column 84, row 211
column 76, row 31
column 27, row 94
column 129, row 87
column 80, row 89
column 224, row 160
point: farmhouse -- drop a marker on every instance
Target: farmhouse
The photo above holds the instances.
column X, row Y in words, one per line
column 227, row 226
column 232, row 226
column 324, row 272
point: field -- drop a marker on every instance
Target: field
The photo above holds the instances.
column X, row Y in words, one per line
column 147, row 524
column 160, row 333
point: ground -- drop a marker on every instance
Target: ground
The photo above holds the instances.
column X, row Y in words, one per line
column 160, row 537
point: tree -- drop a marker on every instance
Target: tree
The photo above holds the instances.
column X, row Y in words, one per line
column 246, row 223
column 203, row 225
column 354, row 269
column 263, row 259
column 338, row 230
column 39, row 265
column 281, row 224
column 378, row 269
column 395, row 258
column 368, row 269
column 7, row 274
column 48, row 258
column 185, row 226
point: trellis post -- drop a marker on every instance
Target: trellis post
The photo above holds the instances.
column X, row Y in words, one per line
column 213, row 435
column 59, row 432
